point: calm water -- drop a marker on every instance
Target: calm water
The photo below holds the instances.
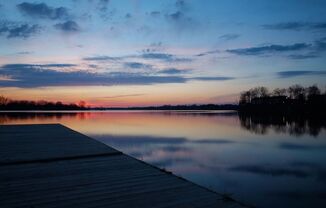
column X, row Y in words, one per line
column 266, row 162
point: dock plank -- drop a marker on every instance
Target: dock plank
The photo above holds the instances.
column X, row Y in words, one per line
column 25, row 143
column 80, row 178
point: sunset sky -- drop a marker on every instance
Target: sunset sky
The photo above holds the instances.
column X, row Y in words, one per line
column 145, row 52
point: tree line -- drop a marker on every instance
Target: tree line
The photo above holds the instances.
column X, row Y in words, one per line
column 293, row 98
column 9, row 104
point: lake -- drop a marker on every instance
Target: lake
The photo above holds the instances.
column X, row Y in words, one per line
column 259, row 160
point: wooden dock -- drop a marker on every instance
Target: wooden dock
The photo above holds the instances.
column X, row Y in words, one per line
column 53, row 166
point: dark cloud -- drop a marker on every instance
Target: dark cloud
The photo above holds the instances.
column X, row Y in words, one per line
column 38, row 75
column 230, row 36
column 164, row 57
column 103, row 5
column 146, row 54
column 289, row 74
column 173, row 71
column 18, row 30
column 297, row 26
column 269, row 49
column 320, row 45
column 137, row 65
column 180, row 20
column 155, row 13
column 276, row 172
column 303, row 56
column 316, row 50
column 42, row 10
column 176, row 16
column 180, row 3
column 68, row 26
column 222, row 78
column 101, row 58
column 208, row 53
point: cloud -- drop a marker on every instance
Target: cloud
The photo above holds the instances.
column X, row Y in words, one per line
column 230, row 36
column 103, row 5
column 316, row 50
column 123, row 96
column 147, row 54
column 38, row 75
column 164, row 57
column 180, row 20
column 177, row 16
column 303, row 56
column 173, row 71
column 18, row 30
column 208, row 53
column 42, row 75
column 269, row 49
column 289, row 74
column 41, row 10
column 68, row 26
column 320, row 45
column 297, row 26
column 101, row 58
column 6, row 78
column 155, row 13
column 24, row 52
column 137, row 65
column 221, row 78
column 276, row 172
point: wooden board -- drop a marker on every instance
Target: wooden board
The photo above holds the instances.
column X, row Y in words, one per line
column 108, row 180
column 25, row 143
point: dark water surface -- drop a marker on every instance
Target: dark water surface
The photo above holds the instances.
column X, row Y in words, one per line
column 263, row 161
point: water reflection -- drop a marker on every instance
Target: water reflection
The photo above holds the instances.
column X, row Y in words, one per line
column 264, row 161
column 296, row 126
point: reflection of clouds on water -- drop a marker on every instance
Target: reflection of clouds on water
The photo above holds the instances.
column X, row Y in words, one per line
column 294, row 146
column 295, row 195
column 162, row 151
column 296, row 169
column 271, row 171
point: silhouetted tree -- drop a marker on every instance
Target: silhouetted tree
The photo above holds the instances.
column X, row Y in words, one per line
column 294, row 99
column 3, row 100
column 7, row 104
column 279, row 92
column 312, row 91
column 245, row 97
column 259, row 92
column 296, row 92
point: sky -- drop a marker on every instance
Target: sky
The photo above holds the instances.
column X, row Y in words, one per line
column 145, row 52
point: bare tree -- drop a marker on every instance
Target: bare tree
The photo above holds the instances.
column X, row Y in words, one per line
column 279, row 92
column 245, row 97
column 296, row 92
column 259, row 92
column 3, row 100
